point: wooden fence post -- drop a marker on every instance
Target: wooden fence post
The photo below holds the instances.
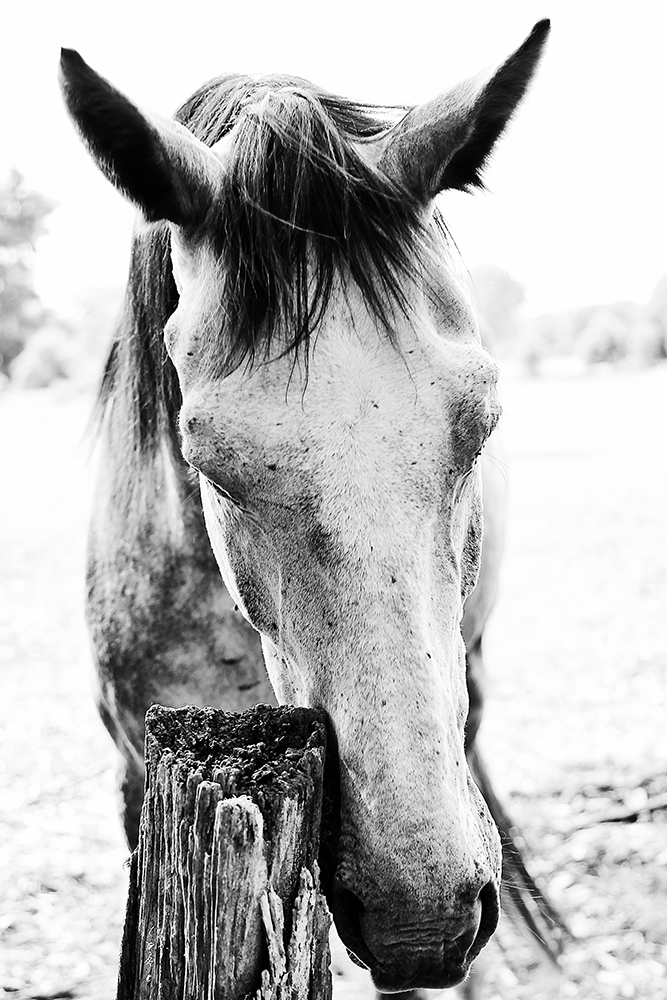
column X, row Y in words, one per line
column 224, row 898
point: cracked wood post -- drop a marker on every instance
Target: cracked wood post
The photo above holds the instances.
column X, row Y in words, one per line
column 224, row 899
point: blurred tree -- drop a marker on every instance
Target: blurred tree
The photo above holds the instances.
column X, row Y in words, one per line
column 22, row 214
column 606, row 337
column 657, row 305
column 656, row 314
column 499, row 296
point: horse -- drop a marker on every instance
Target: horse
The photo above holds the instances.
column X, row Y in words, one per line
column 289, row 496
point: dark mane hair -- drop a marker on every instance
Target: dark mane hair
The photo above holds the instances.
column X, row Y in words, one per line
column 301, row 212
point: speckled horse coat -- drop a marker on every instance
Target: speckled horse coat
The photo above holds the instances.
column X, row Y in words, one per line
column 291, row 422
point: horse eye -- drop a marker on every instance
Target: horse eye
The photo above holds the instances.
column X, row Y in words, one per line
column 235, row 501
column 169, row 334
column 221, row 492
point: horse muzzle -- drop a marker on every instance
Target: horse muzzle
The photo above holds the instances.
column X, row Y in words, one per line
column 429, row 953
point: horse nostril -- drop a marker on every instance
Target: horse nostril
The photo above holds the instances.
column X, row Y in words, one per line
column 488, row 897
column 489, row 912
column 480, row 926
column 348, row 911
column 457, row 947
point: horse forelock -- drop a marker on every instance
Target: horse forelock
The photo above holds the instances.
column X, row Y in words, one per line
column 301, row 209
column 301, row 212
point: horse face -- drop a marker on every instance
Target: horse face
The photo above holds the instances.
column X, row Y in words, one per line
column 339, row 479
column 345, row 515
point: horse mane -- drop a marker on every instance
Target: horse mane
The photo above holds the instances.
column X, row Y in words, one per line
column 301, row 213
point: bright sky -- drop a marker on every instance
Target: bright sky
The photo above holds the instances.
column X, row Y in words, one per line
column 577, row 202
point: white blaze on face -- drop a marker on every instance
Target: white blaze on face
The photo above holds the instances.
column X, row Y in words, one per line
column 345, row 516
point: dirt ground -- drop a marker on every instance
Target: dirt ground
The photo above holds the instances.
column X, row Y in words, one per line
column 576, row 724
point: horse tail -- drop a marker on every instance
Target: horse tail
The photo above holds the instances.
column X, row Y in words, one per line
column 525, row 902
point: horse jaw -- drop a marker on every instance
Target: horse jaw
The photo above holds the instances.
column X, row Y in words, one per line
column 349, row 537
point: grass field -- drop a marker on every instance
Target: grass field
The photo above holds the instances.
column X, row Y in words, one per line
column 577, row 708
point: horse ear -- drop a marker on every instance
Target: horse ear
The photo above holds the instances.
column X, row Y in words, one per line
column 445, row 143
column 154, row 161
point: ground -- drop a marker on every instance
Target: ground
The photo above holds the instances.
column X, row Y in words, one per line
column 575, row 725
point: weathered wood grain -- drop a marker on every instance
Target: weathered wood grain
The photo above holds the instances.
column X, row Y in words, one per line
column 224, row 900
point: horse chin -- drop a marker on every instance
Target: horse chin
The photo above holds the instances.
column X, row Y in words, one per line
column 402, row 966
column 447, row 978
column 397, row 978
column 397, row 981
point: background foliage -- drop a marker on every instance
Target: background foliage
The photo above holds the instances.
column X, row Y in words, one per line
column 22, row 215
column 619, row 333
column 39, row 346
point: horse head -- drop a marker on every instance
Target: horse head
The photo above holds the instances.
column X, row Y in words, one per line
column 335, row 400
